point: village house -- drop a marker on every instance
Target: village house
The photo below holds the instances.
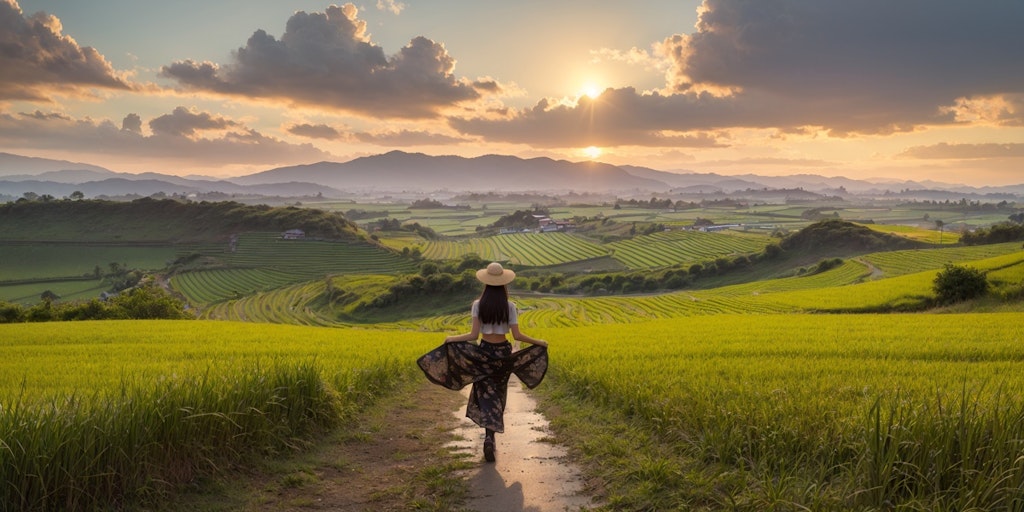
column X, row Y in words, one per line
column 293, row 234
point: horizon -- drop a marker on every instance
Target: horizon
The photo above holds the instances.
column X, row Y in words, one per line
column 867, row 91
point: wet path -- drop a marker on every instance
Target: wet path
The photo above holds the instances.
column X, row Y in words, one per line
column 530, row 474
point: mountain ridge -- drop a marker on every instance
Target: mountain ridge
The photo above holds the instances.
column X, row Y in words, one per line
column 399, row 171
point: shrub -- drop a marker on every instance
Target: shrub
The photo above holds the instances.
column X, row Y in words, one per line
column 956, row 283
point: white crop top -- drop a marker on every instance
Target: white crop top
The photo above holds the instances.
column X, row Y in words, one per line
column 513, row 319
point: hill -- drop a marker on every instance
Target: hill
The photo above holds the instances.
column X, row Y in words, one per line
column 415, row 171
column 160, row 221
column 26, row 165
column 398, row 171
column 841, row 238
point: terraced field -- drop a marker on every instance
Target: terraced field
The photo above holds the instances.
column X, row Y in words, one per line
column 932, row 236
column 264, row 261
column 527, row 249
column 680, row 246
column 897, row 263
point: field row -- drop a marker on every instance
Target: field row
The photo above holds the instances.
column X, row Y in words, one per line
column 648, row 251
column 263, row 261
column 285, row 305
column 206, row 286
column 528, row 249
column 896, row 263
column 679, row 246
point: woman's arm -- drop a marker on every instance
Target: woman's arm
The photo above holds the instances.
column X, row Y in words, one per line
column 469, row 336
column 519, row 336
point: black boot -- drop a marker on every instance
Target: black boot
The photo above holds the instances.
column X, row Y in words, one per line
column 489, row 445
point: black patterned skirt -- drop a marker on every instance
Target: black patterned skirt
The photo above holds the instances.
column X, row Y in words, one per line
column 487, row 367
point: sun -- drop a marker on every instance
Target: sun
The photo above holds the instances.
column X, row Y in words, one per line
column 592, row 152
column 591, row 91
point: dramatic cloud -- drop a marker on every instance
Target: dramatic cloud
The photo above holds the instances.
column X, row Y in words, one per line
column 965, row 151
column 618, row 117
column 232, row 144
column 846, row 67
column 871, row 64
column 37, row 61
column 328, row 60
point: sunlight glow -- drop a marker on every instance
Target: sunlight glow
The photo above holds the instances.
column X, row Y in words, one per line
column 592, row 152
column 591, row 91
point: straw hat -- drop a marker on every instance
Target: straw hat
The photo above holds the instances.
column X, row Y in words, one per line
column 495, row 275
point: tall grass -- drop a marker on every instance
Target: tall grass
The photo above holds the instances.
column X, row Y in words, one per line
column 179, row 402
column 801, row 412
column 80, row 452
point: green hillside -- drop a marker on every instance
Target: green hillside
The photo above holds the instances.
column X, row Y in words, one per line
column 166, row 220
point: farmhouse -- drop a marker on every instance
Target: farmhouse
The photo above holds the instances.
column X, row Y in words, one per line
column 293, row 234
column 547, row 224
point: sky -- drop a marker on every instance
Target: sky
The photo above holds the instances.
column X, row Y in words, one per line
column 926, row 90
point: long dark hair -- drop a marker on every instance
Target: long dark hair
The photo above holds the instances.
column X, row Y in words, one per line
column 494, row 305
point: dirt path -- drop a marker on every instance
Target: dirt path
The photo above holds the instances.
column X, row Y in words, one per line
column 530, row 473
column 414, row 451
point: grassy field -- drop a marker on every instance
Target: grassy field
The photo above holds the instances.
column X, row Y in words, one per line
column 28, row 269
column 790, row 393
column 932, row 236
column 798, row 412
column 115, row 413
column 852, row 411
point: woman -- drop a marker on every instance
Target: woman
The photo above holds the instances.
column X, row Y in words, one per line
column 488, row 365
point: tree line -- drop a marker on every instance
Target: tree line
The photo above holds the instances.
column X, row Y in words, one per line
column 144, row 302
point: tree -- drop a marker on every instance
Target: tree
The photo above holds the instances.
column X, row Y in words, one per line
column 939, row 224
column 956, row 283
column 77, row 195
column 48, row 296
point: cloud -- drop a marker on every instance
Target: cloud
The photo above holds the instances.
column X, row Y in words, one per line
column 870, row 64
column 633, row 57
column 391, row 6
column 176, row 141
column 798, row 66
column 965, row 151
column 328, row 60
column 618, row 117
column 314, row 131
column 39, row 62
column 185, row 122
column 132, row 123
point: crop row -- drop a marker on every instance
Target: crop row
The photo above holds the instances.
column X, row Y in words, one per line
column 528, row 249
column 206, row 286
column 285, row 305
column 895, row 263
column 843, row 288
column 679, row 246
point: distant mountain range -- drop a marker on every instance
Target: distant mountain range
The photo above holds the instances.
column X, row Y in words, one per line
column 397, row 171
